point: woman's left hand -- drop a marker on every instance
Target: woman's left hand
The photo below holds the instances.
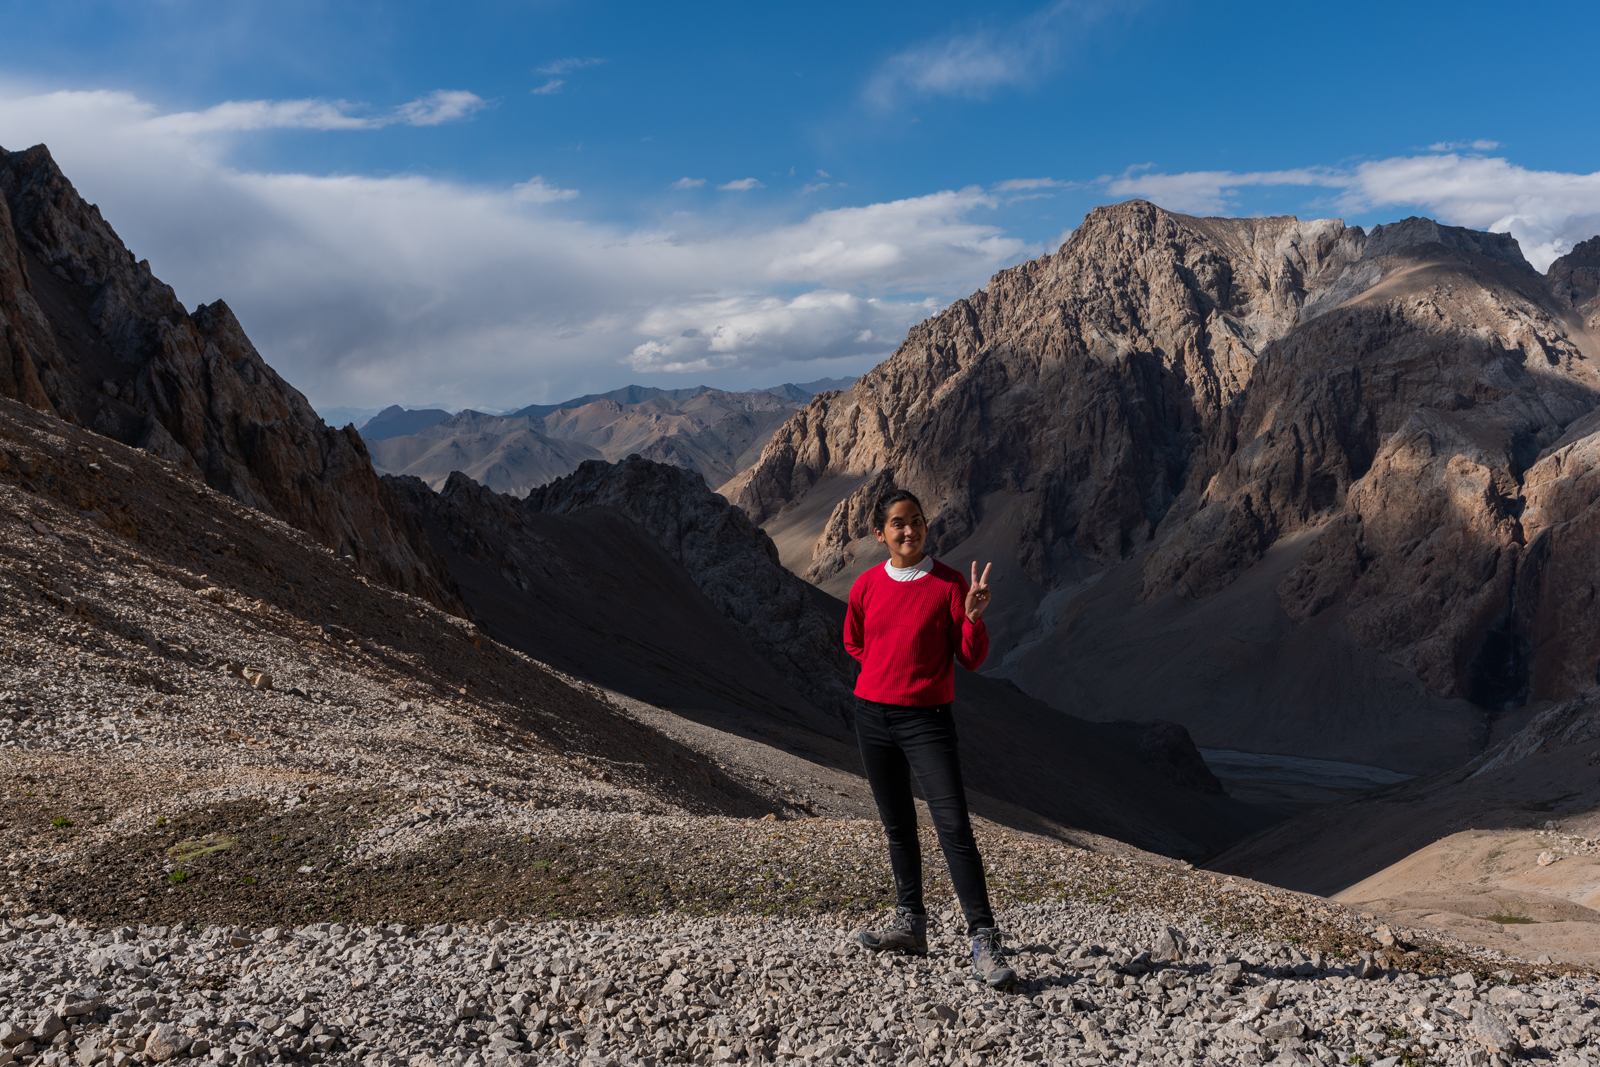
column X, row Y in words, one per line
column 978, row 592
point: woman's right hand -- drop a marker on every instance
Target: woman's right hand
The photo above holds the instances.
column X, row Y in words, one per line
column 978, row 592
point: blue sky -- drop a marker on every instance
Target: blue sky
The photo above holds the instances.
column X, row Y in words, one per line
column 494, row 204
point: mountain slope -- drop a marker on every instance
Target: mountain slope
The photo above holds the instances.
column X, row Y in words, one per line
column 1171, row 405
column 93, row 337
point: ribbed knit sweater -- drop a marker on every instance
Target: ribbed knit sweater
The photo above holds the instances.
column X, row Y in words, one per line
column 907, row 635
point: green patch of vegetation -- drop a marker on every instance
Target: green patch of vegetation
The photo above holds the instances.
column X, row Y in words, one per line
column 61, row 822
column 1511, row 920
column 207, row 846
column 1395, row 1033
column 161, row 820
column 248, row 879
column 277, row 837
column 178, row 877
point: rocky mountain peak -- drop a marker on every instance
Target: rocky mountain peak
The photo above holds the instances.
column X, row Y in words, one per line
column 1575, row 279
column 1166, row 400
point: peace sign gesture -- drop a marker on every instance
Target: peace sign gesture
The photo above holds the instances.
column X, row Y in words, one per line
column 978, row 592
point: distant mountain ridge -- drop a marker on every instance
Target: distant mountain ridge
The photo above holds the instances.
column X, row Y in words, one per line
column 393, row 421
column 396, row 421
column 710, row 431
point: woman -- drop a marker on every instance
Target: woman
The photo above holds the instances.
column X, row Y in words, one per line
column 908, row 621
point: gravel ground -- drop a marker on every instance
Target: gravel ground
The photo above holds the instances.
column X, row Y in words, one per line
column 738, row 988
column 253, row 808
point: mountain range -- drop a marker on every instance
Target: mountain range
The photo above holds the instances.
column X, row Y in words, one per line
column 633, row 576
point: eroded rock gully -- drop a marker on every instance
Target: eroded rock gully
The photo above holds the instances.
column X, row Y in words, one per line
column 1169, row 398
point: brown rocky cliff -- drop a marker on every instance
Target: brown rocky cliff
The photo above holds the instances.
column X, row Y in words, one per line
column 91, row 335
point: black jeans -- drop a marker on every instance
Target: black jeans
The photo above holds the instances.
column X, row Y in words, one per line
column 897, row 742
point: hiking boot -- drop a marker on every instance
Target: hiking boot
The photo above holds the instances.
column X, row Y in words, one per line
column 907, row 933
column 988, row 958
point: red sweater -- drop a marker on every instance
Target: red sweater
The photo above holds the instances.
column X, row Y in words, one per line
column 905, row 635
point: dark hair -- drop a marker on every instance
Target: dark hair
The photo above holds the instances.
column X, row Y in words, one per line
column 880, row 511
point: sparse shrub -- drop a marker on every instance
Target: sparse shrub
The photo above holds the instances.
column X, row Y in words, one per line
column 61, row 822
column 178, row 877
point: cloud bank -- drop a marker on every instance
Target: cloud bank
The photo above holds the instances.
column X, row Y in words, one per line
column 366, row 290
column 1546, row 211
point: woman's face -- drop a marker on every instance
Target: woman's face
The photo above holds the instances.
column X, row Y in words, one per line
column 904, row 531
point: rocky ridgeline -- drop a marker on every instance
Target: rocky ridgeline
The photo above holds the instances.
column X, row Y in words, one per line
column 1100, row 985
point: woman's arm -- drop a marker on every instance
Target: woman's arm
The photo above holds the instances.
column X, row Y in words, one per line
column 855, row 629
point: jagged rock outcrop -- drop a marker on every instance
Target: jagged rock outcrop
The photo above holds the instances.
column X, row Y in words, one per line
column 1179, row 395
column 730, row 559
column 1575, row 280
column 92, row 336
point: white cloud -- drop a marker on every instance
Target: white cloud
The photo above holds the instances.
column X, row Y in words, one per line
column 973, row 64
column 1206, row 191
column 438, row 107
column 1022, row 184
column 708, row 336
column 688, row 183
column 1546, row 211
column 741, row 185
column 552, row 86
column 1457, row 146
column 568, row 65
column 537, row 191
column 807, row 190
column 371, row 291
